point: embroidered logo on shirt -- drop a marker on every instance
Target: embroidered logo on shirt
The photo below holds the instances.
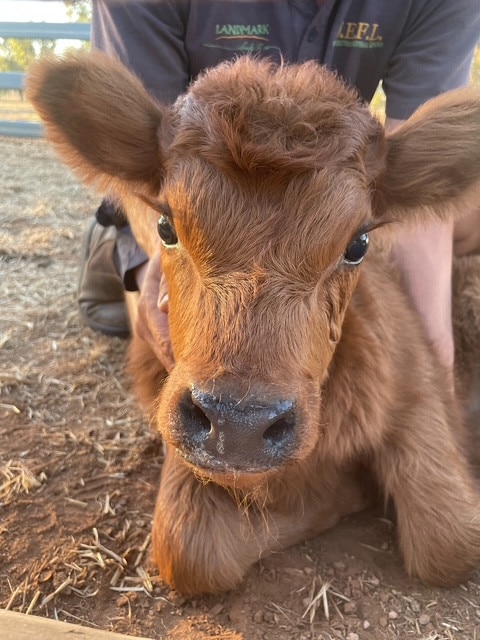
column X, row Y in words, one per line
column 361, row 35
column 246, row 38
column 242, row 30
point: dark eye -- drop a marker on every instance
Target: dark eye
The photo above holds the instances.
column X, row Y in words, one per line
column 356, row 250
column 166, row 231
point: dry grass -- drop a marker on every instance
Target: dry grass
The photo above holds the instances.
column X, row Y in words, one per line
column 13, row 107
column 79, row 470
column 54, row 376
column 16, row 478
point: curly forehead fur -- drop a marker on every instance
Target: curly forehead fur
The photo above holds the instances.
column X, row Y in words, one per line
column 258, row 117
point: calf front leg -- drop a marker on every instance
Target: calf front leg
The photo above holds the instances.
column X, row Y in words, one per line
column 438, row 506
column 205, row 539
column 201, row 541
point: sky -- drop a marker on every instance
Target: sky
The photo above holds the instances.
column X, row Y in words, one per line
column 32, row 11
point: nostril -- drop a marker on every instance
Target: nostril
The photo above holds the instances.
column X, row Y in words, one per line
column 197, row 425
column 281, row 432
column 214, row 431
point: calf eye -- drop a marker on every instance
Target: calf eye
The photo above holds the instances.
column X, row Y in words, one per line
column 166, row 231
column 356, row 250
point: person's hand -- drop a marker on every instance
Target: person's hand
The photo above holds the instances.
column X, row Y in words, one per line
column 466, row 236
column 152, row 320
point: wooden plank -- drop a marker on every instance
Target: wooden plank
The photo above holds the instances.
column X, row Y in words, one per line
column 21, row 129
column 45, row 30
column 11, row 80
column 19, row 626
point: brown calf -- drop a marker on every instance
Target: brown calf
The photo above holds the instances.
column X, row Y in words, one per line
column 302, row 373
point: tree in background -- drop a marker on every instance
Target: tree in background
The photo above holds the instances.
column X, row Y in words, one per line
column 78, row 10
column 17, row 54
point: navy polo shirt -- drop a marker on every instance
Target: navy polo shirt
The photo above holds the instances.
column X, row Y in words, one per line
column 416, row 48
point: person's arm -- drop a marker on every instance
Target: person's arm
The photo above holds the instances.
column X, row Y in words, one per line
column 425, row 258
column 434, row 55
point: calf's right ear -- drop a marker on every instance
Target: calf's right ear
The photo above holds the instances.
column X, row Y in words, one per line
column 433, row 160
column 99, row 118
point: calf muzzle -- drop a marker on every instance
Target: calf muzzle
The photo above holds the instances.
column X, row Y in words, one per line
column 220, row 432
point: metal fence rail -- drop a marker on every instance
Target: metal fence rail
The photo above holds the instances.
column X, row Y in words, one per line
column 15, row 80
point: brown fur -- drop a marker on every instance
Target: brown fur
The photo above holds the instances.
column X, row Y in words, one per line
column 269, row 174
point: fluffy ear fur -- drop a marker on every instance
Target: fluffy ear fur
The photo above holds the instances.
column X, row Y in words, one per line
column 99, row 118
column 433, row 160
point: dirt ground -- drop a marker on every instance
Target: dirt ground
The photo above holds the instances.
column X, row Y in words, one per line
column 79, row 470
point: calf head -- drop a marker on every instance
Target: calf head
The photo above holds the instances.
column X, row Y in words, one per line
column 263, row 184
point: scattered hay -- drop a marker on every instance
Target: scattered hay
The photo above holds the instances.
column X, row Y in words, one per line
column 80, row 566
column 77, row 546
column 320, row 598
column 16, row 478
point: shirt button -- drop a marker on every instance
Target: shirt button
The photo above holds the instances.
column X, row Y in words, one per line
column 312, row 34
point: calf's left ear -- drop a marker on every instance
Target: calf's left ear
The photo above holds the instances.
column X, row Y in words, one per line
column 433, row 160
column 99, row 118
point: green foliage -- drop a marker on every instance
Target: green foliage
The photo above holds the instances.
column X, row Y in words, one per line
column 475, row 74
column 377, row 103
column 16, row 55
column 79, row 10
